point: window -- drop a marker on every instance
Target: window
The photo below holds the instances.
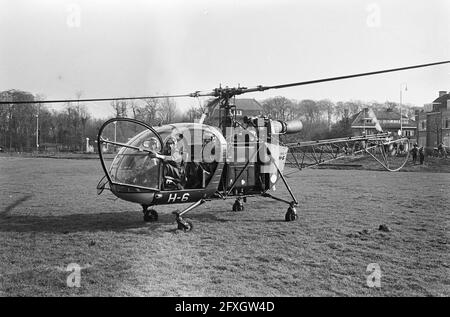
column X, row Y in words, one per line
column 390, row 121
column 134, row 167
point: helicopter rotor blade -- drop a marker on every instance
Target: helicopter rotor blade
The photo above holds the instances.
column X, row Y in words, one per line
column 229, row 92
column 322, row 80
column 97, row 99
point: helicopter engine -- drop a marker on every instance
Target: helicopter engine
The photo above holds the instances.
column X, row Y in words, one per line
column 287, row 127
column 255, row 155
column 278, row 126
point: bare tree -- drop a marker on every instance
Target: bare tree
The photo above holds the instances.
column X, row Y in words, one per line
column 435, row 127
column 149, row 111
column 328, row 108
column 135, row 109
column 279, row 108
column 167, row 110
column 120, row 108
column 84, row 117
column 353, row 106
column 309, row 109
column 19, row 124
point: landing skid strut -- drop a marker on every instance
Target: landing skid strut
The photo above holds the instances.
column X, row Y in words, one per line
column 186, row 224
column 291, row 213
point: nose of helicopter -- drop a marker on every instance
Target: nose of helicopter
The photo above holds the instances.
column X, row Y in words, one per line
column 132, row 194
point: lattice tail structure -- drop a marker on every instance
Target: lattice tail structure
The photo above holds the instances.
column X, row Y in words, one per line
column 392, row 154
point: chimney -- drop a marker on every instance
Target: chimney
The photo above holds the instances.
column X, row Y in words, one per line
column 365, row 112
column 442, row 92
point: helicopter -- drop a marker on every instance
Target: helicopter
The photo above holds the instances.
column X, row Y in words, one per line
column 234, row 160
column 195, row 162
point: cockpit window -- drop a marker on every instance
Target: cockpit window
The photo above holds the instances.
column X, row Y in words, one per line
column 188, row 163
column 137, row 167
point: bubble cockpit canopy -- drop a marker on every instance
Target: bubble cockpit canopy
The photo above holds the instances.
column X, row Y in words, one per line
column 135, row 167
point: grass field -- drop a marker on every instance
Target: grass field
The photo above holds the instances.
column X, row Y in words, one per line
column 51, row 216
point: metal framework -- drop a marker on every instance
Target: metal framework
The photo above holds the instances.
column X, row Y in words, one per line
column 390, row 154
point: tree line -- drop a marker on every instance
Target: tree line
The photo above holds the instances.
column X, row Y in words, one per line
column 324, row 119
column 23, row 126
column 67, row 129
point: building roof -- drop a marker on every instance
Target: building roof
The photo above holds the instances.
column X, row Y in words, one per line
column 441, row 102
column 248, row 104
column 381, row 115
column 442, row 99
column 388, row 114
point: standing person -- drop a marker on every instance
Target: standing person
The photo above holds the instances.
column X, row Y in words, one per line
column 421, row 155
column 414, row 153
column 441, row 150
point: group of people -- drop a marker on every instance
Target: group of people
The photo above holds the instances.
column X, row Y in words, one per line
column 417, row 152
column 441, row 150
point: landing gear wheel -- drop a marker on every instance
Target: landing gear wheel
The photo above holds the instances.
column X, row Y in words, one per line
column 291, row 214
column 238, row 206
column 150, row 215
column 185, row 225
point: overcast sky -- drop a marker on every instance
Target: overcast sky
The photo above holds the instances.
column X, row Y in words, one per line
column 127, row 48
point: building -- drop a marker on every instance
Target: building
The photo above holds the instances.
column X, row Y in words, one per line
column 50, row 147
column 365, row 122
column 433, row 122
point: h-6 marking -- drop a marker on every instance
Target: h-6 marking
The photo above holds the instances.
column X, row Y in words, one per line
column 175, row 197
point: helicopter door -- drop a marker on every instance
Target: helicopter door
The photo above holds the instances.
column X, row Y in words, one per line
column 129, row 143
